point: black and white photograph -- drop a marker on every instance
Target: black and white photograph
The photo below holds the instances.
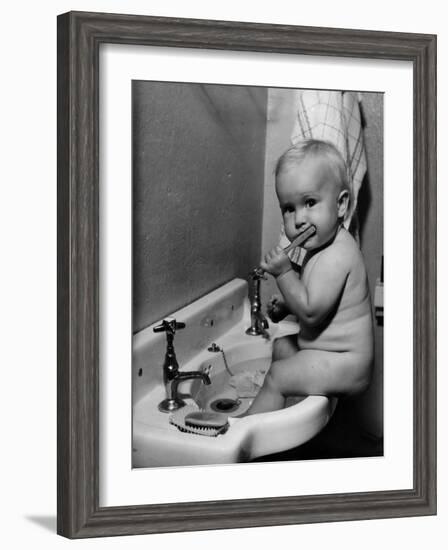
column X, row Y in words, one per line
column 257, row 274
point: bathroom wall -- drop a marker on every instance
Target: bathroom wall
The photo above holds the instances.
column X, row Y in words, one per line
column 368, row 407
column 198, row 172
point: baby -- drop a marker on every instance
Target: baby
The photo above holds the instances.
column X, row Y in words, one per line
column 333, row 352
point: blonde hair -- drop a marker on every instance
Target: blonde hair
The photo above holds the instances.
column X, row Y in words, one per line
column 315, row 148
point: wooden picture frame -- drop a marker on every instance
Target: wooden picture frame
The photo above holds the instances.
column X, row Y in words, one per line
column 79, row 38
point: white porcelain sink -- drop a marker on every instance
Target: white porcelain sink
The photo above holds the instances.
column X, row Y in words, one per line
column 156, row 442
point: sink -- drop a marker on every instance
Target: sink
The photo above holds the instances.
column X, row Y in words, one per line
column 157, row 443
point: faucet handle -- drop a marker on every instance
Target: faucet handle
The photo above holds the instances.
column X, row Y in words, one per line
column 257, row 273
column 169, row 325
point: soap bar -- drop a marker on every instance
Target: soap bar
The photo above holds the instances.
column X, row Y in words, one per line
column 206, row 419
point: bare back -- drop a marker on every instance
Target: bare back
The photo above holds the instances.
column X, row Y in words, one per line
column 348, row 326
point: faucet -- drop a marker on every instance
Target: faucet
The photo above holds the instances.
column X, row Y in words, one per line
column 259, row 324
column 171, row 374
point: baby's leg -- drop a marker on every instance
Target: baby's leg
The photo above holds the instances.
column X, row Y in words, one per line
column 285, row 347
column 310, row 372
column 267, row 398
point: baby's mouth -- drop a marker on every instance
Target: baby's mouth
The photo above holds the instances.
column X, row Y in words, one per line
column 305, row 233
column 311, row 229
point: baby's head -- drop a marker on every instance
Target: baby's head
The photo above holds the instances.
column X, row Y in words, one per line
column 312, row 188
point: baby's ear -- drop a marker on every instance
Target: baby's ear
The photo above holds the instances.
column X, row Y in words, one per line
column 343, row 203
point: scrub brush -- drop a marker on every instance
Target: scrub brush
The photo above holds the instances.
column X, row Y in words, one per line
column 189, row 419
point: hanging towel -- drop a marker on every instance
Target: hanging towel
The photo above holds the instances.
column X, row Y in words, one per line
column 334, row 117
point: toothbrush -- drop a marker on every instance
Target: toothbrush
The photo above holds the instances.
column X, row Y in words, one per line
column 301, row 238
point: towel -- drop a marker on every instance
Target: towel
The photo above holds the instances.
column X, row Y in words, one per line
column 334, row 117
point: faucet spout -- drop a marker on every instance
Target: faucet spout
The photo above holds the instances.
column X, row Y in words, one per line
column 182, row 376
column 174, row 402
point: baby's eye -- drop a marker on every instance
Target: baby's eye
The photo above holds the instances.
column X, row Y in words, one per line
column 288, row 209
column 309, row 203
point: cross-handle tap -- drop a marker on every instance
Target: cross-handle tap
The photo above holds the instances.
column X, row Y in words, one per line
column 257, row 273
column 170, row 364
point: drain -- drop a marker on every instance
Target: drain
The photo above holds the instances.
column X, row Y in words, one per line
column 225, row 405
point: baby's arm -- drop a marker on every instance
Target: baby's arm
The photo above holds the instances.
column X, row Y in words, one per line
column 313, row 301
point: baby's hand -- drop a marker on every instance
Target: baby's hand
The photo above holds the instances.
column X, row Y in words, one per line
column 276, row 262
column 277, row 308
